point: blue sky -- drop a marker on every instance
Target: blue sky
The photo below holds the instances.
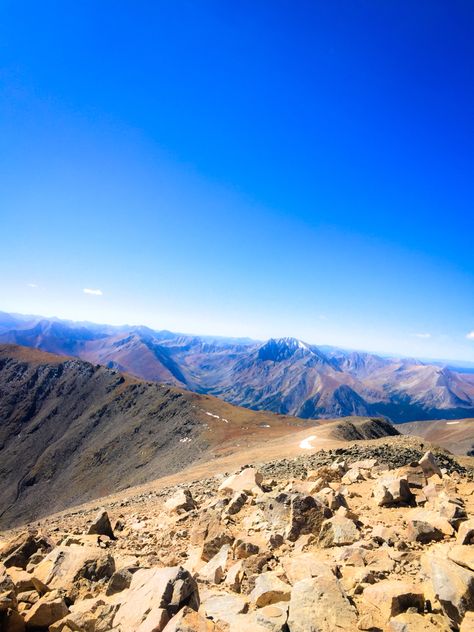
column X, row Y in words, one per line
column 251, row 168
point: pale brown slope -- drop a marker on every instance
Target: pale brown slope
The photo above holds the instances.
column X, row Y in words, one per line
column 456, row 435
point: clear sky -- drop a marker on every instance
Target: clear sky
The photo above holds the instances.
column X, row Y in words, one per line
column 252, row 168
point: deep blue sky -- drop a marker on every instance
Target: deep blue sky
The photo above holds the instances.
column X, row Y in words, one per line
column 242, row 168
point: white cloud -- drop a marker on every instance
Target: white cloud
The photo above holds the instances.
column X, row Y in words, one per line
column 31, row 285
column 423, row 335
column 470, row 335
column 87, row 290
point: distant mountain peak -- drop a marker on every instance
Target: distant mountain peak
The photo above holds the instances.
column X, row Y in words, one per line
column 278, row 349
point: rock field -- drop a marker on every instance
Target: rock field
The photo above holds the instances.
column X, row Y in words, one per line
column 374, row 537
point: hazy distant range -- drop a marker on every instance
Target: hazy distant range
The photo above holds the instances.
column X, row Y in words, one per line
column 286, row 375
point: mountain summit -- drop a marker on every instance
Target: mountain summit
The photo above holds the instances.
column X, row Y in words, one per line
column 280, row 349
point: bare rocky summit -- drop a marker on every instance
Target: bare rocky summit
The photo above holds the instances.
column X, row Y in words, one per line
column 376, row 536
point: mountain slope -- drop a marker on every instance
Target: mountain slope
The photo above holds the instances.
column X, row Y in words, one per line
column 71, row 431
column 454, row 435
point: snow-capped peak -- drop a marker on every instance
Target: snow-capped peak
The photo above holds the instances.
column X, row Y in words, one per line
column 281, row 348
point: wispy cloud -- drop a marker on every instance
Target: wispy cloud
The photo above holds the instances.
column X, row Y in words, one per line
column 470, row 335
column 423, row 335
column 31, row 285
column 88, row 290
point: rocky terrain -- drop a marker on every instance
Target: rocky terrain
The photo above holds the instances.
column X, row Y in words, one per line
column 285, row 376
column 71, row 431
column 375, row 536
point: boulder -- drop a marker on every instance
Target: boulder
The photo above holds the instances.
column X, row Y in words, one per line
column 29, row 596
column 155, row 621
column 466, row 532
column 101, row 525
column 429, row 465
column 236, row 503
column 388, row 598
column 426, row 525
column 269, row 589
column 423, row 531
column 120, row 580
column 222, row 607
column 462, row 555
column 273, row 618
column 391, row 490
column 8, row 591
column 338, row 531
column 25, row 581
column 319, row 605
column 90, row 615
column 214, row 571
column 305, row 566
column 65, row 565
column 242, row 549
column 18, row 551
column 248, row 480
column 451, row 584
column 189, row 621
column 414, row 622
column 234, row 576
column 155, row 589
column 46, row 611
column 180, row 502
column 306, row 516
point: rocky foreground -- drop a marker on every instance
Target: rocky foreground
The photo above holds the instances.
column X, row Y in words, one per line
column 365, row 538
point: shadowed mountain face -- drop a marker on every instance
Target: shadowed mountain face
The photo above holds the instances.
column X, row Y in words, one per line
column 286, row 376
column 71, row 431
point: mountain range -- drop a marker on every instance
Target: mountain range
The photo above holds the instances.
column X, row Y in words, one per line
column 285, row 376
